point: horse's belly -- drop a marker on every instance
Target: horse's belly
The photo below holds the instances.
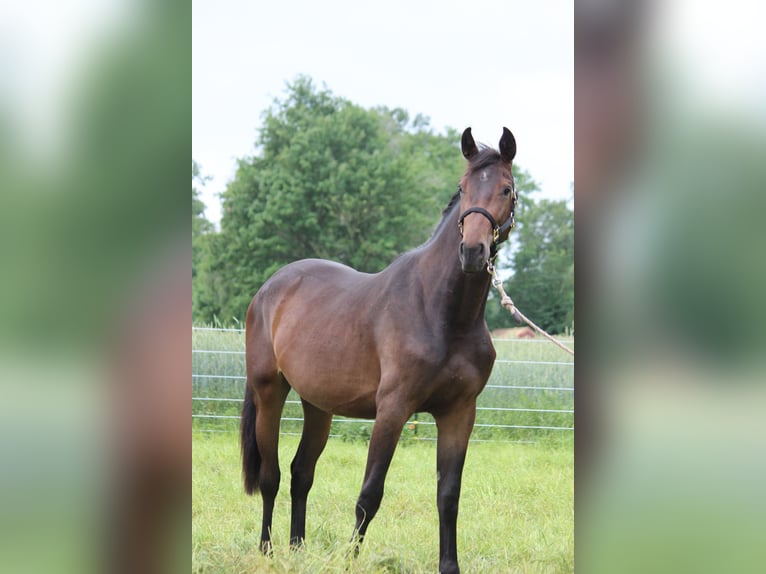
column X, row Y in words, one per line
column 336, row 395
column 333, row 377
column 362, row 407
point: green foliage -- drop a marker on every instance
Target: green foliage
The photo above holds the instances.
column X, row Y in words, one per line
column 201, row 230
column 542, row 285
column 331, row 180
column 200, row 225
column 335, row 181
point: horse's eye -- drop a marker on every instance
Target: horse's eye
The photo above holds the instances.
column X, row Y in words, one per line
column 507, row 190
column 460, row 189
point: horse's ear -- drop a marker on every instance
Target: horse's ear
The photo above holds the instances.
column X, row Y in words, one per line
column 507, row 146
column 468, row 145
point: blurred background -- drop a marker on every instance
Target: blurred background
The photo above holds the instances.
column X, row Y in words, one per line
column 669, row 147
column 95, row 112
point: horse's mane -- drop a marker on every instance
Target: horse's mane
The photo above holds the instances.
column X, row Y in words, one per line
column 455, row 198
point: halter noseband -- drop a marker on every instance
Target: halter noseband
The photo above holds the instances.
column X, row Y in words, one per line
column 497, row 230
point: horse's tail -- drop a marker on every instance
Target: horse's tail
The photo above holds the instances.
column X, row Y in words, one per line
column 251, row 457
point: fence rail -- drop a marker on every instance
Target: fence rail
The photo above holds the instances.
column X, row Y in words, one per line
column 530, row 392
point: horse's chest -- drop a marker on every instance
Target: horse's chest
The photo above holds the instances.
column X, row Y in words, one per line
column 458, row 379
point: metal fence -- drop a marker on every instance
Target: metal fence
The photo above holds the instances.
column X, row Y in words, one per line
column 529, row 394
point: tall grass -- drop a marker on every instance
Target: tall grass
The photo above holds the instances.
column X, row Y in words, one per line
column 516, row 510
column 218, row 386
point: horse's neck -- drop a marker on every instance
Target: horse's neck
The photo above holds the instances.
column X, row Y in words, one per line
column 452, row 297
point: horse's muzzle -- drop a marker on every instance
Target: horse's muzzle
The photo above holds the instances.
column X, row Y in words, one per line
column 473, row 258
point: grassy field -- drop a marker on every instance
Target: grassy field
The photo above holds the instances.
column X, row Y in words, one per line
column 516, row 511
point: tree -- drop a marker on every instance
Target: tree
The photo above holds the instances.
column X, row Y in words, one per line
column 201, row 228
column 542, row 284
column 330, row 180
column 200, row 224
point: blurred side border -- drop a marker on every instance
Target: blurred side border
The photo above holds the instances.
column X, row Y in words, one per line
column 670, row 127
column 95, row 139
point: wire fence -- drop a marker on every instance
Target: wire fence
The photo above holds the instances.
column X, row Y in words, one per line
column 529, row 395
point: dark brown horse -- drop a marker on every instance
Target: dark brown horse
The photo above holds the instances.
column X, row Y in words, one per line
column 409, row 339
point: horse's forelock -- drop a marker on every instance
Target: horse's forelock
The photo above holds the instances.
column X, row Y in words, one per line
column 486, row 157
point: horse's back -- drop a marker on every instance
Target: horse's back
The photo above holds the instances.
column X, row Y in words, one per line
column 302, row 290
column 302, row 282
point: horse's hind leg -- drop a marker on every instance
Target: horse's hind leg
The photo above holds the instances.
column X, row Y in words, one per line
column 271, row 394
column 316, row 429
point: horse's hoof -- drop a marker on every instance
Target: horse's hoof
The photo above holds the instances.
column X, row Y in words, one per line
column 266, row 548
column 355, row 546
column 449, row 569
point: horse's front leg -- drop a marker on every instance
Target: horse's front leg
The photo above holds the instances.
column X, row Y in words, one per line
column 454, row 429
column 389, row 422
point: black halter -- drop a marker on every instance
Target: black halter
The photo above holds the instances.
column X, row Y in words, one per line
column 497, row 230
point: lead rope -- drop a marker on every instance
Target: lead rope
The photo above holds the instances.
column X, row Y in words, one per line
column 506, row 302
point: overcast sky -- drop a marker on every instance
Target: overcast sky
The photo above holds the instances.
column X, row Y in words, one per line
column 484, row 64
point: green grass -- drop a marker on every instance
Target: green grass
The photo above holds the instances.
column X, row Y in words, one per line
column 516, row 510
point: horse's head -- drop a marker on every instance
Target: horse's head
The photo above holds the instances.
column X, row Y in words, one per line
column 487, row 200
